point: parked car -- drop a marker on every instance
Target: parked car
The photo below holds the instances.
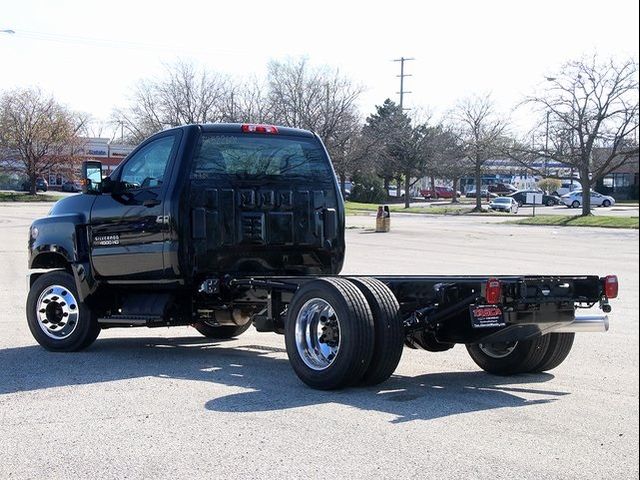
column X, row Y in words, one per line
column 41, row 185
column 393, row 192
column 504, row 204
column 485, row 193
column 71, row 186
column 439, row 192
column 521, row 197
column 502, row 189
column 574, row 199
column 567, row 186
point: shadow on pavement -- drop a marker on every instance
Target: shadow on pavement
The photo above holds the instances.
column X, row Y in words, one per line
column 266, row 373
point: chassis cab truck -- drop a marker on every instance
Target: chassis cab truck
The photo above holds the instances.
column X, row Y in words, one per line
column 225, row 226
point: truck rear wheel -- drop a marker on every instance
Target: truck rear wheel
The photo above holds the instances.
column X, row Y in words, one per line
column 57, row 320
column 388, row 329
column 329, row 333
column 559, row 347
column 509, row 358
column 221, row 332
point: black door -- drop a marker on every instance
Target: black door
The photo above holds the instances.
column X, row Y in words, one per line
column 128, row 227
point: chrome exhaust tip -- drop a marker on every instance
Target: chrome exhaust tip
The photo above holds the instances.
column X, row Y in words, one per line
column 585, row 323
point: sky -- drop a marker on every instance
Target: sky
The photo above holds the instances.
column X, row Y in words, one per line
column 89, row 54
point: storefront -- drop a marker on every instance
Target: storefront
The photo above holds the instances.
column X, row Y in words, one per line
column 101, row 149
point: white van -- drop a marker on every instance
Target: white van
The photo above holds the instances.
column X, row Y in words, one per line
column 567, row 186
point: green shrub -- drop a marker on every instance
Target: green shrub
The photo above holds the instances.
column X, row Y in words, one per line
column 368, row 190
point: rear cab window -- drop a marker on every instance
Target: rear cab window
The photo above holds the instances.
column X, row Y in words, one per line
column 246, row 157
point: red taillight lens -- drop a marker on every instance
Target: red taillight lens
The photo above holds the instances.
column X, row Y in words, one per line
column 493, row 291
column 611, row 286
column 258, row 128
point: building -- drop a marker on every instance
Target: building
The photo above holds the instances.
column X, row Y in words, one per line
column 622, row 183
column 93, row 148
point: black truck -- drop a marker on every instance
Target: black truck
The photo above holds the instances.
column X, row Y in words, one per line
column 225, row 226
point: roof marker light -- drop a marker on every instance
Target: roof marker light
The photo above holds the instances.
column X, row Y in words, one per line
column 259, row 128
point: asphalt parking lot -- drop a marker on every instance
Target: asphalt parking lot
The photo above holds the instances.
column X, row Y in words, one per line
column 167, row 403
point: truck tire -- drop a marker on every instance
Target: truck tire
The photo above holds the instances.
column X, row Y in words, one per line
column 57, row 320
column 509, row 358
column 329, row 333
column 388, row 329
column 221, row 332
column 559, row 347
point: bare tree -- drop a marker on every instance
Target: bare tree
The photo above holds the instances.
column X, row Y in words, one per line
column 314, row 98
column 37, row 134
column 591, row 116
column 185, row 94
column 451, row 161
column 247, row 101
column 482, row 134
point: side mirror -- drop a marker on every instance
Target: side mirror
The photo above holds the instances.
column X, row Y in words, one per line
column 91, row 176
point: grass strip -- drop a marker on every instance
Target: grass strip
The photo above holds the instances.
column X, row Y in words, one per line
column 579, row 221
column 25, row 197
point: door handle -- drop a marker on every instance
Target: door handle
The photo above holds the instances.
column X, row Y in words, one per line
column 151, row 202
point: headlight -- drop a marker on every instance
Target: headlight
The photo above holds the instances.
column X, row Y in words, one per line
column 34, row 232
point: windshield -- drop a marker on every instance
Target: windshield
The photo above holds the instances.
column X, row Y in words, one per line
column 259, row 156
column 502, row 200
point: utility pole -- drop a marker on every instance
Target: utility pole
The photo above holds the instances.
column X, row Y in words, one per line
column 402, row 75
column 546, row 147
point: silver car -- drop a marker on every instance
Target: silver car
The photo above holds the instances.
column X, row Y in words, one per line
column 504, row 204
column 574, row 199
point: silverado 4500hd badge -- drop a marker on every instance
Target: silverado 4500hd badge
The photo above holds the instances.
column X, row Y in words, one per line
column 106, row 240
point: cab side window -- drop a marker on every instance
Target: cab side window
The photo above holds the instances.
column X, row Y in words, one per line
column 147, row 168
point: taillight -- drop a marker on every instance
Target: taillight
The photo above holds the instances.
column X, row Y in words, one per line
column 259, row 128
column 611, row 286
column 493, row 291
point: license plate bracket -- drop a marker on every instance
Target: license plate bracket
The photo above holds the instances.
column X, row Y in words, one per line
column 486, row 316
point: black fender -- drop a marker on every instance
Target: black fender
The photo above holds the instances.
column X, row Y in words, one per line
column 61, row 242
column 56, row 239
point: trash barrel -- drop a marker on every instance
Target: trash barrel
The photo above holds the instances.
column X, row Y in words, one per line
column 387, row 218
column 383, row 220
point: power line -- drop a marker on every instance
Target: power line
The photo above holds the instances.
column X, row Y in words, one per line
column 111, row 43
column 402, row 75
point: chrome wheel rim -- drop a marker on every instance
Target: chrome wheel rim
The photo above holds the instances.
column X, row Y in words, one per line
column 57, row 312
column 317, row 334
column 498, row 350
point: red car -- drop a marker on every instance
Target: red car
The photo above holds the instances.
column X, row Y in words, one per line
column 440, row 192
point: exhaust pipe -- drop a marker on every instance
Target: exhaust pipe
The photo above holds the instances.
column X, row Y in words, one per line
column 585, row 323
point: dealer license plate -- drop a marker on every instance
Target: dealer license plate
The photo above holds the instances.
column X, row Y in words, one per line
column 486, row 316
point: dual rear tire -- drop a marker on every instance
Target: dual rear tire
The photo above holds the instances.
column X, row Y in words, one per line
column 535, row 355
column 341, row 332
column 221, row 332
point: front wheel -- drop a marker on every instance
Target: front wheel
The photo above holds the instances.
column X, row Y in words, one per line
column 575, row 204
column 57, row 319
column 606, row 204
column 550, row 203
column 510, row 358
